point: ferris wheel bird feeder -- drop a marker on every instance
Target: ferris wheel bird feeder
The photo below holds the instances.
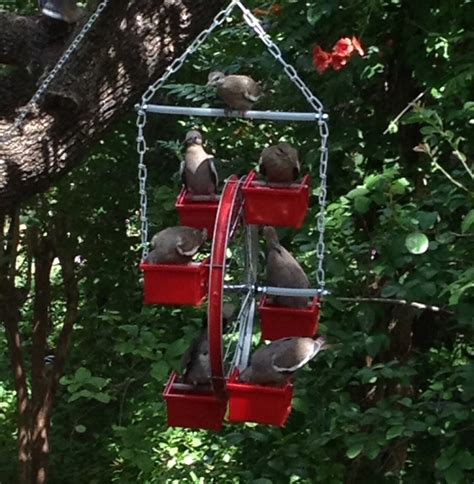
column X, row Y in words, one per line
column 234, row 215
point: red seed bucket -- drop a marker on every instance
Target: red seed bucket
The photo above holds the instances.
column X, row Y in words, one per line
column 279, row 207
column 191, row 409
column 197, row 214
column 175, row 284
column 278, row 322
column 260, row 404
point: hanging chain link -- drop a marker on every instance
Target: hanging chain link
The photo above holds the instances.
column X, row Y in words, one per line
column 290, row 71
column 142, row 176
column 53, row 73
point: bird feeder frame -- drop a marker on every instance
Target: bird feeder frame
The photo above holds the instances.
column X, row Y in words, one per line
column 246, row 402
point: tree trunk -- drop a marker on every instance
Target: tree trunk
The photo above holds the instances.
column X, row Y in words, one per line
column 130, row 45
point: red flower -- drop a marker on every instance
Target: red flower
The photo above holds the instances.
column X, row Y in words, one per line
column 342, row 51
column 343, row 47
column 321, row 59
column 357, row 46
column 338, row 61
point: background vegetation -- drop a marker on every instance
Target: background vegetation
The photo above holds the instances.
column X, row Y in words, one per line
column 392, row 401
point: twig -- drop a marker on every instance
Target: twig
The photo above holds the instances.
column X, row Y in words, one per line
column 401, row 302
column 404, row 110
column 449, row 177
column 460, row 157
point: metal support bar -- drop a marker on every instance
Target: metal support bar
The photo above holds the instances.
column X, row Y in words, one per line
column 222, row 113
column 287, row 291
column 236, row 287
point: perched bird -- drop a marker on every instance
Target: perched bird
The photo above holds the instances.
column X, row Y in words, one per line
column 283, row 270
column 279, row 163
column 198, row 172
column 195, row 364
column 275, row 364
column 238, row 92
column 65, row 10
column 175, row 245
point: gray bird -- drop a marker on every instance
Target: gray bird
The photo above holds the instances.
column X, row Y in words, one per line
column 195, row 364
column 64, row 10
column 275, row 364
column 175, row 245
column 283, row 270
column 237, row 91
column 279, row 163
column 198, row 172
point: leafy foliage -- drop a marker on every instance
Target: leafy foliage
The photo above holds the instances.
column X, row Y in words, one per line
column 392, row 400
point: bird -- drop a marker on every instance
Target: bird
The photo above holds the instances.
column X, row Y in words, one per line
column 195, row 363
column 275, row 363
column 175, row 245
column 198, row 172
column 283, row 270
column 279, row 163
column 239, row 92
column 64, row 10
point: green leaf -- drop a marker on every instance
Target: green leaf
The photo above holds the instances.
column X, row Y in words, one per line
column 354, row 450
column 80, row 429
column 394, row 432
column 159, row 370
column 82, row 374
column 357, row 192
column 362, row 204
column 454, row 475
column 417, row 243
column 468, row 222
column 102, row 397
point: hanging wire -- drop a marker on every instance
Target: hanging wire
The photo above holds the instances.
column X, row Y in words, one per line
column 18, row 123
column 290, row 71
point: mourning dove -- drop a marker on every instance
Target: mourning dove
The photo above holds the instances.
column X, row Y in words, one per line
column 175, row 245
column 279, row 163
column 195, row 364
column 64, row 10
column 275, row 364
column 283, row 270
column 238, row 92
column 197, row 171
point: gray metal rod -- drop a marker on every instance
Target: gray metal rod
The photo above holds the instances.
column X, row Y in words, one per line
column 222, row 113
column 236, row 287
column 288, row 291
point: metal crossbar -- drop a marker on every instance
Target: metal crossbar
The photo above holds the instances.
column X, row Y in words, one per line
column 222, row 113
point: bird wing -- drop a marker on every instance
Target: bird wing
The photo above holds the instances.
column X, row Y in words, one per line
column 294, row 353
column 186, row 247
column 182, row 173
column 283, row 270
column 252, row 91
column 212, row 168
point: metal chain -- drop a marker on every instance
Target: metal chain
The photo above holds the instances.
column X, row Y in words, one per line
column 54, row 71
column 255, row 25
column 142, row 176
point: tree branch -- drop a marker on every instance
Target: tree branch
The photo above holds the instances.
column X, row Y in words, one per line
column 128, row 47
column 402, row 302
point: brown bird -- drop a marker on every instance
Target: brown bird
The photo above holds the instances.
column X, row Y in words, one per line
column 64, row 10
column 195, row 364
column 275, row 364
column 237, row 91
column 279, row 163
column 283, row 270
column 198, row 172
column 175, row 245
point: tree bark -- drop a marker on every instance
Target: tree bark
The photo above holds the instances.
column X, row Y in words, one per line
column 130, row 45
